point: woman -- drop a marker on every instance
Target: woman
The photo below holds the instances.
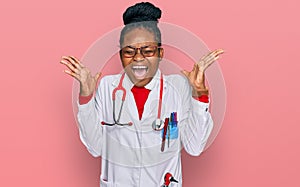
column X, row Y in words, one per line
column 139, row 131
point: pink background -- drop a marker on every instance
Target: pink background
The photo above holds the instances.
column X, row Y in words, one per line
column 258, row 144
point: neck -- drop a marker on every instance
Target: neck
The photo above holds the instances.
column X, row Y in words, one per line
column 143, row 82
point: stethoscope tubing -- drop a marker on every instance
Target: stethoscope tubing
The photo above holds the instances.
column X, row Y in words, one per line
column 117, row 121
column 121, row 88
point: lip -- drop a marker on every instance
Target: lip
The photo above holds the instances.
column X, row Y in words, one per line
column 137, row 68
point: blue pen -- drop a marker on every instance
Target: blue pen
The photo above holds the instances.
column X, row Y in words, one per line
column 175, row 119
column 171, row 119
column 169, row 133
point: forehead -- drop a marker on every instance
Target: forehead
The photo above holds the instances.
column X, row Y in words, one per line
column 138, row 37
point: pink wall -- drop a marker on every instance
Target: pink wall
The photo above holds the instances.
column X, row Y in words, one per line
column 258, row 144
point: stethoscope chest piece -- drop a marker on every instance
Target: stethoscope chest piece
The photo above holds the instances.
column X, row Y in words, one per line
column 158, row 124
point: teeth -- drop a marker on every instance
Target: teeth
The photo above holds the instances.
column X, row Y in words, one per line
column 139, row 67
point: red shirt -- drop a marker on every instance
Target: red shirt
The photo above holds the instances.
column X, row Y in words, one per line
column 140, row 96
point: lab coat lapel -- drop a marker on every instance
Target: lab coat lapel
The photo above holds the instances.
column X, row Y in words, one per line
column 130, row 102
column 150, row 108
column 151, row 105
column 129, row 111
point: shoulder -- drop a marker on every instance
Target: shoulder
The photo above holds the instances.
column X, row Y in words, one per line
column 107, row 82
column 109, row 79
column 176, row 80
column 177, row 83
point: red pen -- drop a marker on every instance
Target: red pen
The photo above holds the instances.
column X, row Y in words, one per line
column 164, row 135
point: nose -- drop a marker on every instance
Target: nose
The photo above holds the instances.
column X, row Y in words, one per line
column 138, row 55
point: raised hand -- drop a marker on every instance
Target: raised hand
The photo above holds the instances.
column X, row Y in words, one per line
column 77, row 70
column 196, row 77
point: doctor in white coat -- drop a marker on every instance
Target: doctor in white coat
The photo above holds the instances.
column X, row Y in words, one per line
column 140, row 137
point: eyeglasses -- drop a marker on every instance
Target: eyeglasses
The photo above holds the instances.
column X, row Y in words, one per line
column 146, row 51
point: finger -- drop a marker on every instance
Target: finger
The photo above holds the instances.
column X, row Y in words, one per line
column 185, row 73
column 78, row 61
column 210, row 62
column 73, row 62
column 213, row 55
column 192, row 74
column 217, row 52
column 208, row 58
column 67, row 60
column 201, row 64
column 200, row 77
column 205, row 56
column 196, row 70
column 97, row 76
column 76, row 76
column 70, row 66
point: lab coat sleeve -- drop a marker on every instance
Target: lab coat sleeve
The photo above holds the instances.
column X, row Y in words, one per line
column 90, row 128
column 196, row 123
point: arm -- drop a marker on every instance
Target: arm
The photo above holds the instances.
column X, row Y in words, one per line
column 90, row 129
column 197, row 121
column 88, row 113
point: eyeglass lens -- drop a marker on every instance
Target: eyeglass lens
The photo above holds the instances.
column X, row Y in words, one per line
column 146, row 51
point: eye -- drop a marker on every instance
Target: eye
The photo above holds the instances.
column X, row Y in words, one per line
column 128, row 52
column 148, row 51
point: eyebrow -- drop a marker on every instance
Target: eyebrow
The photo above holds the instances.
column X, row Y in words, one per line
column 132, row 47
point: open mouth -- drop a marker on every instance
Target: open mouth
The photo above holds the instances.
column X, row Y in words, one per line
column 140, row 71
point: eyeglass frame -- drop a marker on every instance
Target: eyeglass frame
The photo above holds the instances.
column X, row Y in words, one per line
column 157, row 48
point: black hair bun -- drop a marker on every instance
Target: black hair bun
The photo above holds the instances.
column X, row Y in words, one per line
column 139, row 12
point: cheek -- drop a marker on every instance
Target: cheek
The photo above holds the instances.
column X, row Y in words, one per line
column 155, row 64
column 125, row 62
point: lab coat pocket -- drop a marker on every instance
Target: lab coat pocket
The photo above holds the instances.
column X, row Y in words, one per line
column 173, row 132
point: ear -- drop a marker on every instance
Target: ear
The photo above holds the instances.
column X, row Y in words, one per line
column 120, row 53
column 161, row 53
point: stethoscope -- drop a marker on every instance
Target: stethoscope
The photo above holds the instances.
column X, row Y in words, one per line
column 157, row 124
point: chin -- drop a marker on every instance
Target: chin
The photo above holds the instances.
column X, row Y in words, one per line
column 142, row 82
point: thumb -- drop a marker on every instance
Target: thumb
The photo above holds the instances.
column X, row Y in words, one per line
column 97, row 76
column 185, row 73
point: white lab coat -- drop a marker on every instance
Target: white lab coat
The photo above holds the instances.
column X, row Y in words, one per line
column 131, row 155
